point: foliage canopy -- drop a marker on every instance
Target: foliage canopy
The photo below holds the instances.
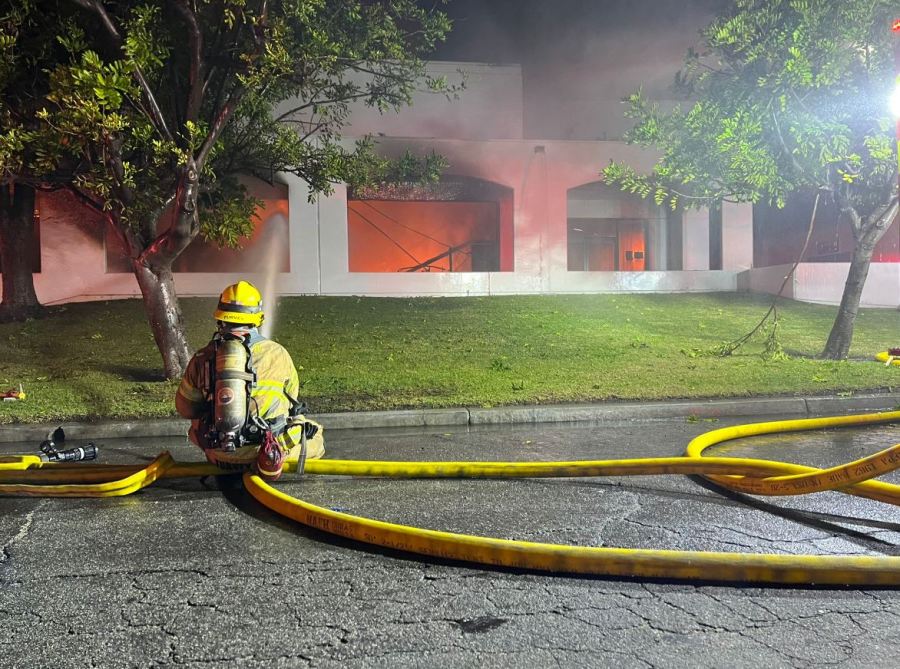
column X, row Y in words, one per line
column 240, row 87
column 790, row 95
column 154, row 108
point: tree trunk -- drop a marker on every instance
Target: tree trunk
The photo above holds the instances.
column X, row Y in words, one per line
column 16, row 248
column 153, row 270
column 164, row 314
column 838, row 345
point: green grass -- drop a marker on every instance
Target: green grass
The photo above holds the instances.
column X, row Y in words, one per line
column 96, row 360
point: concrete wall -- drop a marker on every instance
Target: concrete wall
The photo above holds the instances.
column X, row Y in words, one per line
column 539, row 176
column 489, row 107
column 823, row 283
column 73, row 258
column 695, row 239
column 737, row 236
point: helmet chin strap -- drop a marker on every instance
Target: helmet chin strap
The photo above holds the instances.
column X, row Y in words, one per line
column 240, row 329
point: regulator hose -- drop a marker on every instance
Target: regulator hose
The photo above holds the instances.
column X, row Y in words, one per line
column 766, row 477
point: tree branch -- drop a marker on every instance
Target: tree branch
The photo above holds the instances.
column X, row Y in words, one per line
column 883, row 215
column 234, row 97
column 167, row 246
column 116, row 165
column 784, row 146
column 847, row 208
column 156, row 116
column 215, row 131
column 195, row 47
column 731, row 347
column 325, row 101
column 358, row 67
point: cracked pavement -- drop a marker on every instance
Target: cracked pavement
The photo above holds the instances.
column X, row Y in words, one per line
column 191, row 573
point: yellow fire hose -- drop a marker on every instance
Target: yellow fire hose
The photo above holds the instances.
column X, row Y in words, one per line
column 27, row 475
column 887, row 358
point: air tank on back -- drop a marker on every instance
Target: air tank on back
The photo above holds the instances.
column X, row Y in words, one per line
column 230, row 412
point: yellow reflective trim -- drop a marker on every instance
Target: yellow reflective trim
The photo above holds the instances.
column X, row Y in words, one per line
column 264, row 407
column 274, row 386
column 265, row 400
column 188, row 392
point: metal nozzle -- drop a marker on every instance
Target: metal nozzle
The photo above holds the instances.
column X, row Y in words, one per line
column 88, row 452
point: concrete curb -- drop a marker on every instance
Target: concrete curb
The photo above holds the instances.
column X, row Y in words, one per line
column 763, row 406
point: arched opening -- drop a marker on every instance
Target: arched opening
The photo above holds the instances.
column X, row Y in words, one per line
column 609, row 231
column 461, row 224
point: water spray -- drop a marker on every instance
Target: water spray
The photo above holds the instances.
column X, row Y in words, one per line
column 275, row 236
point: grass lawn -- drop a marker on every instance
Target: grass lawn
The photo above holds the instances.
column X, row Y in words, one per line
column 99, row 360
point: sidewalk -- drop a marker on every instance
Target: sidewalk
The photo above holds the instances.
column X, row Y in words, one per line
column 607, row 411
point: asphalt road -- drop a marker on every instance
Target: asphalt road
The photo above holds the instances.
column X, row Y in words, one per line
column 196, row 574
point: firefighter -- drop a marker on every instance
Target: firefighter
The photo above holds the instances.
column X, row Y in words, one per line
column 240, row 392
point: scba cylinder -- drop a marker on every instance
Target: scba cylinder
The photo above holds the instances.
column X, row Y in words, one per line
column 231, row 391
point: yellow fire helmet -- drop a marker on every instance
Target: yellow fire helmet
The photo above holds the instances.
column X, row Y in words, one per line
column 240, row 303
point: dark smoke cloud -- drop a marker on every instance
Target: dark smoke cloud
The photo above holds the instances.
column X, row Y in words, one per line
column 529, row 31
column 579, row 57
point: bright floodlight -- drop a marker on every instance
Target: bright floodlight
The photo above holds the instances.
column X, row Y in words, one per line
column 895, row 100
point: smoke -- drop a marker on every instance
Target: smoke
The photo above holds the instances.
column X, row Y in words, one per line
column 580, row 57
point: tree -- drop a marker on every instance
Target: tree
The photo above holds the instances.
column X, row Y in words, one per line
column 789, row 97
column 162, row 103
column 26, row 48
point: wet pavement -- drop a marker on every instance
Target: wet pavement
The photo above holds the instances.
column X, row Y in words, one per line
column 191, row 573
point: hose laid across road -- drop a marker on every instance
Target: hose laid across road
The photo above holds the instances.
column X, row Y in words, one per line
column 748, row 475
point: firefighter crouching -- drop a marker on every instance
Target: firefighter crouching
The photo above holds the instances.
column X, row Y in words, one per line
column 240, row 393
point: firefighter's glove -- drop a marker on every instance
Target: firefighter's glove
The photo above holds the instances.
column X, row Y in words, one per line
column 310, row 430
column 298, row 409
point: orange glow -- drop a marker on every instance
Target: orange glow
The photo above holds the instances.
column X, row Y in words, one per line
column 607, row 245
column 270, row 219
column 398, row 236
column 896, row 26
column 270, row 230
column 632, row 255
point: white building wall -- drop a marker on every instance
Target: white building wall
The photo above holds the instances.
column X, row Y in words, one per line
column 695, row 239
column 540, row 175
column 768, row 280
column 538, row 172
column 73, row 258
column 823, row 283
column 646, row 282
column 488, row 107
column 737, row 236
